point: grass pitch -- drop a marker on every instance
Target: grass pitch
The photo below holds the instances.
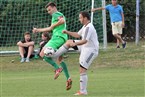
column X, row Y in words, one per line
column 114, row 73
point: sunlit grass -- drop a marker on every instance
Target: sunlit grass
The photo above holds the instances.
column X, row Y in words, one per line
column 114, row 73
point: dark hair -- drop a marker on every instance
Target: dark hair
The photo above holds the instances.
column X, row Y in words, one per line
column 50, row 4
column 26, row 33
column 46, row 35
column 85, row 14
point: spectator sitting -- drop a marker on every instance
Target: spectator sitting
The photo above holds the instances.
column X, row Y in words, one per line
column 45, row 38
column 26, row 48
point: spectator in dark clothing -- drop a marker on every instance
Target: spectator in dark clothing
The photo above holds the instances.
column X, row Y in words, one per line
column 26, row 48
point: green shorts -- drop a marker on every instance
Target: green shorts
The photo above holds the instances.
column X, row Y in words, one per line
column 55, row 42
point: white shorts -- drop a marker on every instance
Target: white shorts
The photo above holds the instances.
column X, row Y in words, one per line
column 117, row 27
column 87, row 57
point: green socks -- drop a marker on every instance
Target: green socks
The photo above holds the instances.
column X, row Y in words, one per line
column 65, row 70
column 51, row 62
column 63, row 65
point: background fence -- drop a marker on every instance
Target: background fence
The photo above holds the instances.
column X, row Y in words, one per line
column 19, row 16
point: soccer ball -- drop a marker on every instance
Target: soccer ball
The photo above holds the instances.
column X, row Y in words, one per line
column 49, row 52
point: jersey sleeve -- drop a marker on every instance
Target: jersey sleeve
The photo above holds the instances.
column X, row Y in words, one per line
column 121, row 9
column 107, row 7
column 87, row 34
column 56, row 17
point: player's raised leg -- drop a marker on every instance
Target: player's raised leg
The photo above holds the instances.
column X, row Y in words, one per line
column 51, row 62
column 64, row 48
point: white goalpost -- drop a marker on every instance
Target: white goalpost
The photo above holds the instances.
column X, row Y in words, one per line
column 92, row 14
column 103, row 22
column 104, row 25
column 137, row 22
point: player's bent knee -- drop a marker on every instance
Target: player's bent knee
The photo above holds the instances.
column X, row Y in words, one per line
column 68, row 43
column 41, row 54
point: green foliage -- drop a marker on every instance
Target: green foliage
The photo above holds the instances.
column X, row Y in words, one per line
column 18, row 16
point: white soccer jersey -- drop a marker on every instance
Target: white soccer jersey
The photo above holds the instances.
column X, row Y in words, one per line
column 89, row 33
column 88, row 51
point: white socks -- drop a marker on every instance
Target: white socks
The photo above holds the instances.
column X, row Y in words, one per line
column 83, row 83
column 63, row 49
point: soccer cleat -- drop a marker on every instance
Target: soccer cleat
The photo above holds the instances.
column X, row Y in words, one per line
column 68, row 84
column 80, row 93
column 124, row 45
column 57, row 73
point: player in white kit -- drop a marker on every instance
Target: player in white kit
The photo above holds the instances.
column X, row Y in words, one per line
column 88, row 46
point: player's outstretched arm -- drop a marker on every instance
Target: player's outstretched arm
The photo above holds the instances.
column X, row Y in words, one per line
column 81, row 42
column 48, row 29
column 95, row 9
column 73, row 34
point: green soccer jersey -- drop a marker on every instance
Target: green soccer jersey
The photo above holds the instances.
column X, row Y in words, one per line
column 57, row 31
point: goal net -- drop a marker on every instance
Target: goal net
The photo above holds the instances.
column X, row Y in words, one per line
column 19, row 16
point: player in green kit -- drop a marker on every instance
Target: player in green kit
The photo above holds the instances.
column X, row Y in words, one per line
column 58, row 38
